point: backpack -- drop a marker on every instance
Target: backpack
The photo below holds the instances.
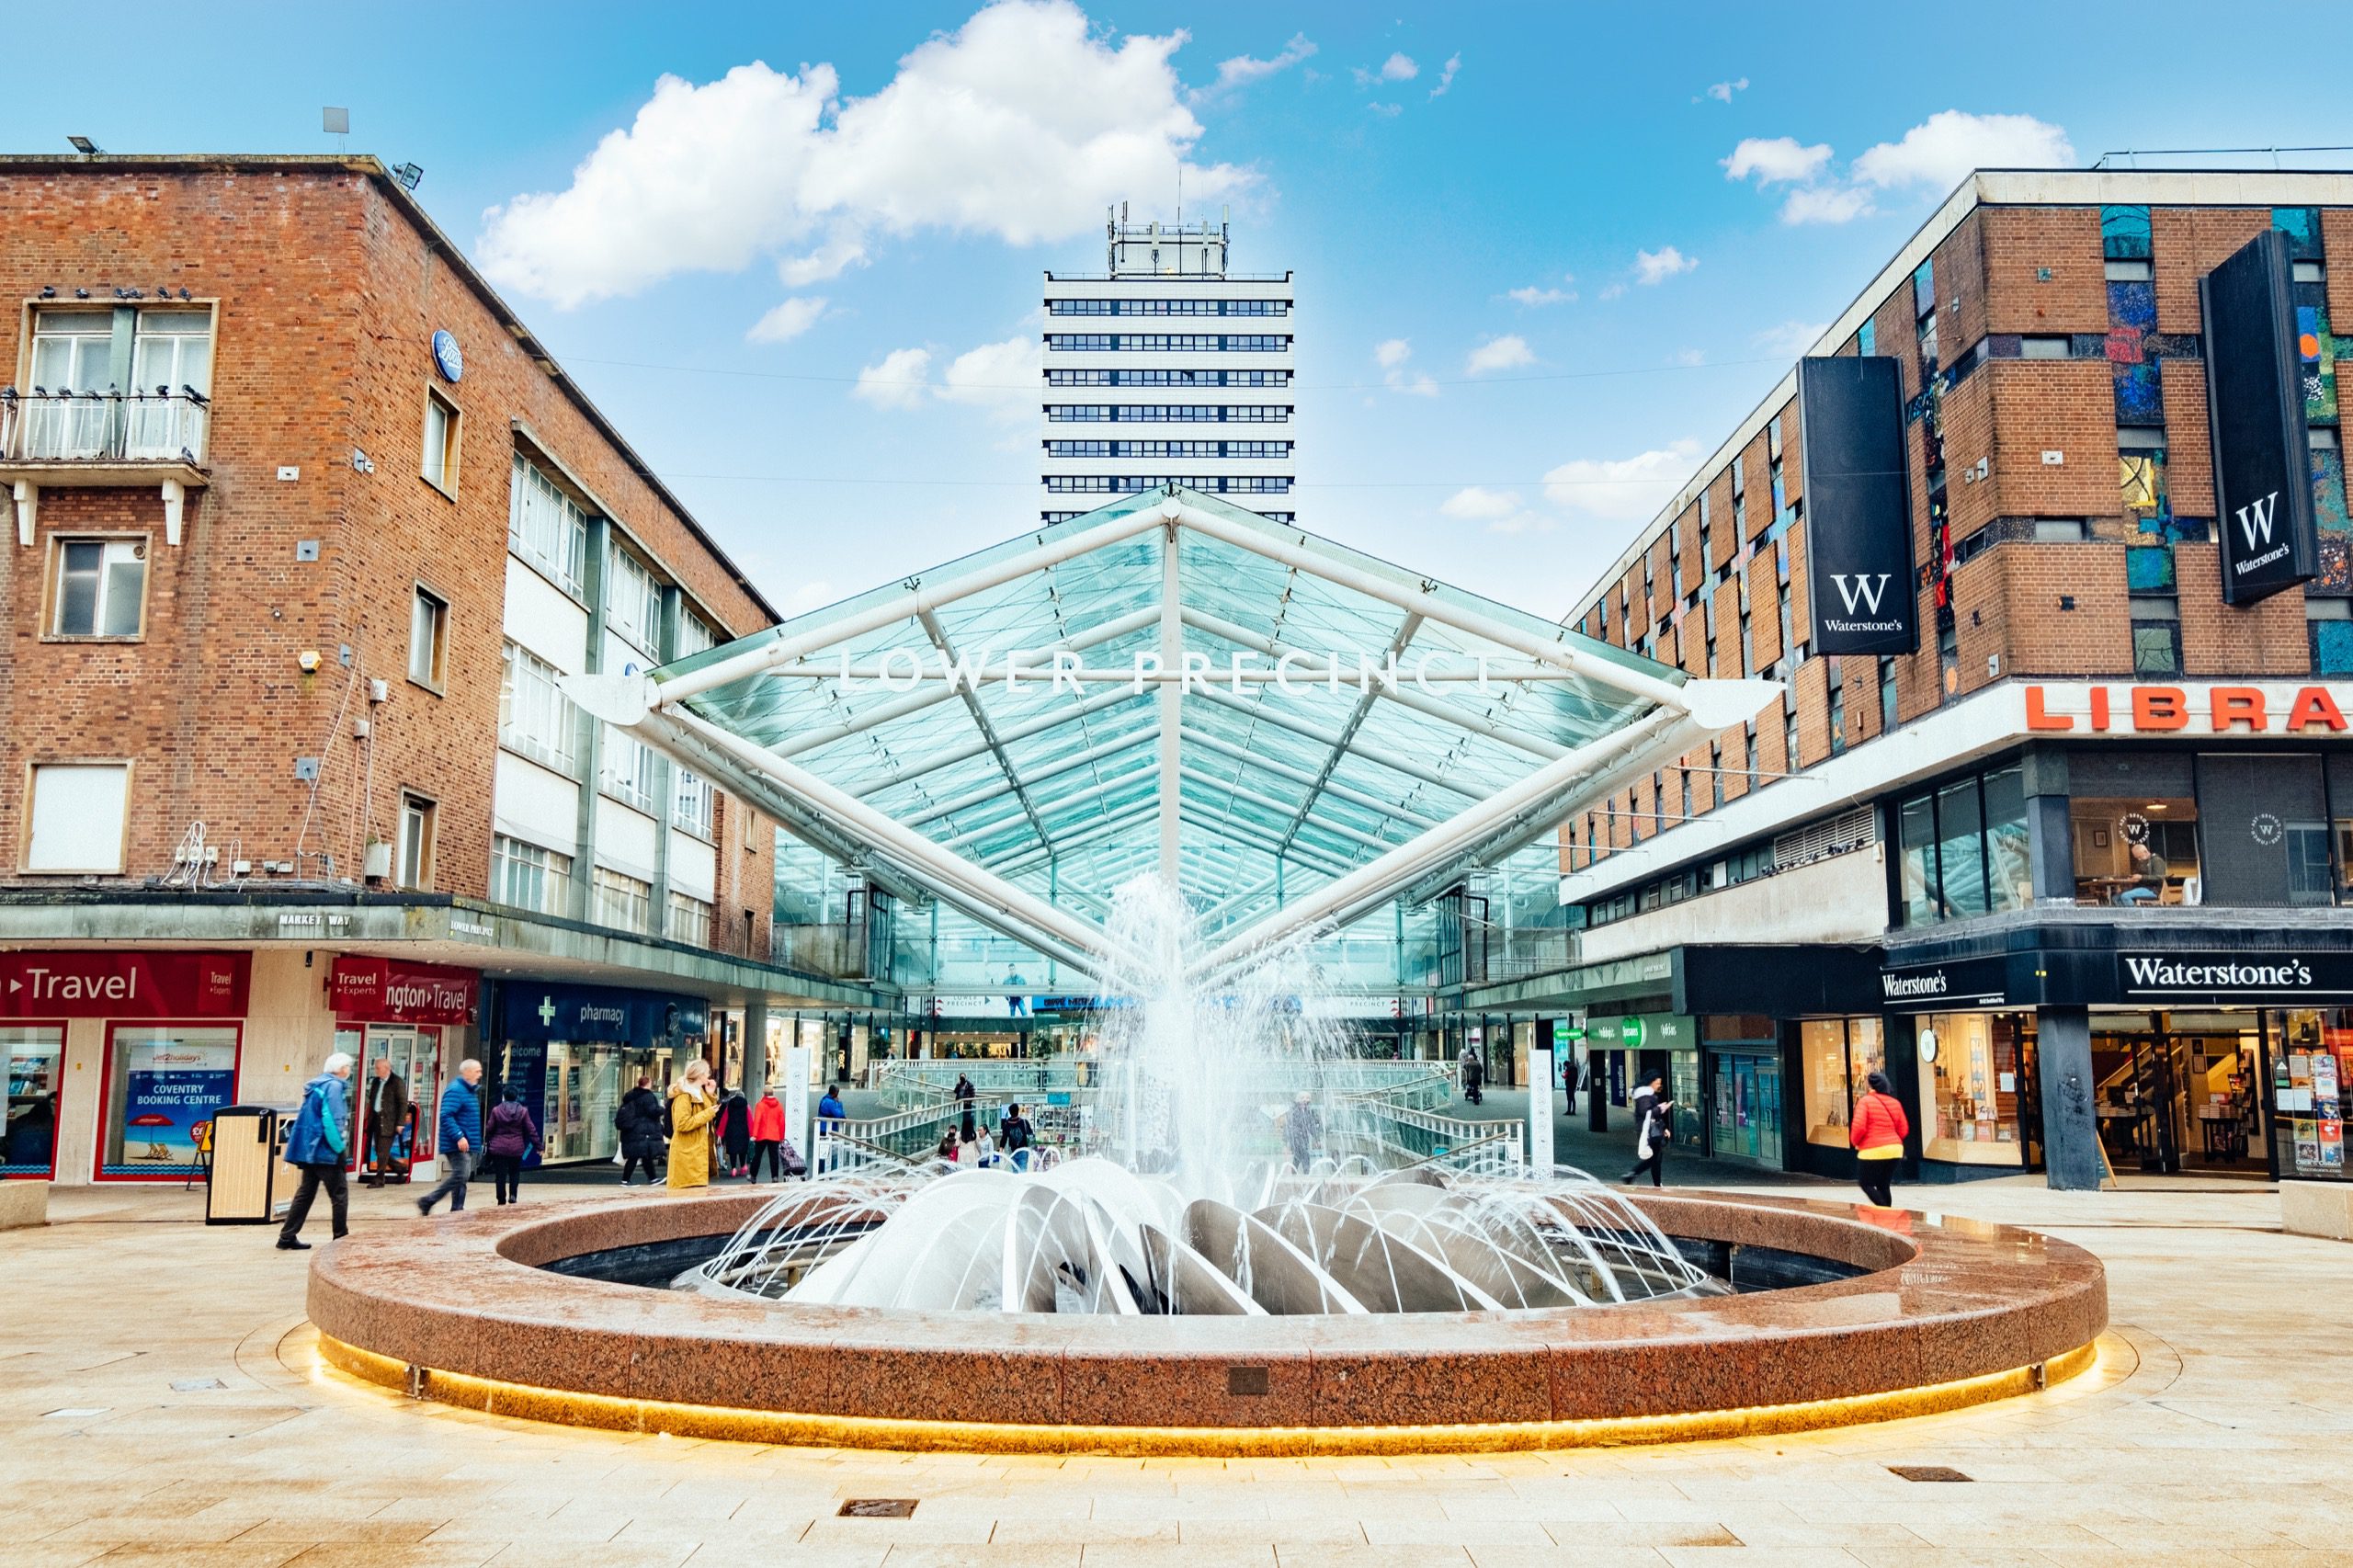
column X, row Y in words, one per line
column 670, row 1118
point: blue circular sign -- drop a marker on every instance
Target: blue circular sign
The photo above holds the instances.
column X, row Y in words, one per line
column 446, row 355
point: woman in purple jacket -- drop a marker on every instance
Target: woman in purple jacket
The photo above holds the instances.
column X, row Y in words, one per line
column 509, row 1137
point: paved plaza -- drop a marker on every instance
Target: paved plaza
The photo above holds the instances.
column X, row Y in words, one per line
column 161, row 1402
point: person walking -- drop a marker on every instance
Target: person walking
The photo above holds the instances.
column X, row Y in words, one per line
column 768, row 1134
column 1014, row 1135
column 639, row 1121
column 1473, row 1070
column 380, row 1122
column 694, row 1105
column 507, row 1139
column 1569, row 1080
column 459, row 1128
column 316, row 1144
column 1878, row 1133
column 1302, row 1128
column 735, row 1132
column 1654, row 1114
column 830, row 1117
column 965, row 1094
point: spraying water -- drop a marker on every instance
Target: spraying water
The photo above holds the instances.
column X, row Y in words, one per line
column 1233, row 1164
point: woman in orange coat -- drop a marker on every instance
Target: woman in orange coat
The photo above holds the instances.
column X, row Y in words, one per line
column 1878, row 1134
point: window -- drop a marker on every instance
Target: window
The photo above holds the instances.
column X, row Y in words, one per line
column 695, row 636
column 162, row 1082
column 1970, row 1094
column 2049, row 346
column 632, row 602
column 535, row 718
column 1837, row 707
column 2156, row 634
column 101, row 589
column 692, row 810
column 1886, row 696
column 1716, row 773
column 2132, row 821
column 33, row 1055
column 1748, row 645
column 76, row 823
column 412, row 864
column 1962, row 849
column 429, row 636
column 1839, row 1056
column 73, row 354
column 623, row 902
column 547, row 527
column 629, row 770
column 1789, row 763
column 171, row 378
column 2329, row 625
column 2060, row 530
column 528, row 877
column 689, row 920
column 440, row 459
column 1790, row 652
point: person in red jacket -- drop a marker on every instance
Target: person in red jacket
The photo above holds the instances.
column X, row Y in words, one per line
column 1878, row 1132
column 768, row 1134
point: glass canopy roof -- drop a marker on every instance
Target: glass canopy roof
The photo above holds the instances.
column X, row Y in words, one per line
column 1013, row 707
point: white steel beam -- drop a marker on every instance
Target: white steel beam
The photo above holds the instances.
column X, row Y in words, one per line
column 939, row 636
column 1172, row 704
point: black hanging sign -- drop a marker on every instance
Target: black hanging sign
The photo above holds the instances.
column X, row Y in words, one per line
column 1857, row 506
column 2255, row 403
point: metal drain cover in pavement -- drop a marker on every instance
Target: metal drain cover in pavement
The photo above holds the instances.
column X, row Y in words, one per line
column 879, row 1508
column 1928, row 1473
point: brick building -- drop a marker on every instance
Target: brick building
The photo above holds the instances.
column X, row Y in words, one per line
column 1959, row 864
column 304, row 524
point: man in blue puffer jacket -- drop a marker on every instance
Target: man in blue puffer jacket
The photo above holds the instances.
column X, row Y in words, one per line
column 320, row 1134
column 459, row 1130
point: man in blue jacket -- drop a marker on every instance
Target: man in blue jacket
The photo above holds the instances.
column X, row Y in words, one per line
column 316, row 1144
column 460, row 1131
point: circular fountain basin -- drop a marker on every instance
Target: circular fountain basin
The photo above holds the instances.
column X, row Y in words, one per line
column 1933, row 1314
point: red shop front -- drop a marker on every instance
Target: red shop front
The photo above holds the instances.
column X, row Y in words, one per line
column 419, row 1016
column 133, row 1053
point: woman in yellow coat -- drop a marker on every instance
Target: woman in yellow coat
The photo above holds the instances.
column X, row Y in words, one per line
column 694, row 1105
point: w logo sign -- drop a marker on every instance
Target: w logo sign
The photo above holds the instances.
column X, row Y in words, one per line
column 2255, row 521
column 1861, row 591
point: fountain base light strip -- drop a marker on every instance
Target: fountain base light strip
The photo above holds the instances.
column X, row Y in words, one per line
column 609, row 1412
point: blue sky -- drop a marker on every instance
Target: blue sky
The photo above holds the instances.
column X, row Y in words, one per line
column 1414, row 167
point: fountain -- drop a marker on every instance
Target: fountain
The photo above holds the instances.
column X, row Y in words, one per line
column 1370, row 1296
column 1207, row 1186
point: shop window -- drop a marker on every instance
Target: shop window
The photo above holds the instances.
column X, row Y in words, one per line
column 2267, row 830
column 35, row 1055
column 1839, row 1055
column 439, row 459
column 78, row 818
column 165, row 1084
column 1962, row 849
column 2133, row 826
column 1971, row 1089
column 2156, row 630
column 2311, row 1059
column 97, row 587
column 413, row 867
column 428, row 638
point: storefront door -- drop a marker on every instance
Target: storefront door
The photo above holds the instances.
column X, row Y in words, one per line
column 2180, row 1092
column 416, row 1054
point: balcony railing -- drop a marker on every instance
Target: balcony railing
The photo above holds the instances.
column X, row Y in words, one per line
column 159, row 426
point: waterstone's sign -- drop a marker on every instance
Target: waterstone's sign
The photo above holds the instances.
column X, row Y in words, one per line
column 2225, row 978
column 2254, row 400
column 1963, row 986
column 1860, row 592
column 1292, row 673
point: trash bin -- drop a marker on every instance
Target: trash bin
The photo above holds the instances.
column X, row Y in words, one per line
column 246, row 1181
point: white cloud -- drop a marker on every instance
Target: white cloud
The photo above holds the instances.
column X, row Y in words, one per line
column 1243, row 69
column 1502, row 353
column 1827, row 204
column 1944, row 148
column 1387, row 112
column 1687, row 358
column 1722, row 91
column 814, row 593
column 1445, row 76
column 1000, row 377
column 1020, row 125
column 1792, row 336
column 1611, row 291
column 1536, row 294
column 1396, row 68
column 1390, row 355
column 1659, row 266
column 1621, row 489
column 1500, row 511
column 788, row 319
column 901, row 380
column 1776, row 160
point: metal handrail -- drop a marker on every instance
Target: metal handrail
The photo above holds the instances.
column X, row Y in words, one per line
column 64, row 426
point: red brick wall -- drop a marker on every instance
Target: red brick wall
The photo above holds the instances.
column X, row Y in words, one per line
column 2023, row 242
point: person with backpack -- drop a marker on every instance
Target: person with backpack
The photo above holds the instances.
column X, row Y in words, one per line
column 1878, row 1133
column 320, row 1134
column 639, row 1121
column 1654, row 1129
column 768, row 1143
column 734, row 1132
column 509, row 1136
column 694, row 1105
column 1014, row 1134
